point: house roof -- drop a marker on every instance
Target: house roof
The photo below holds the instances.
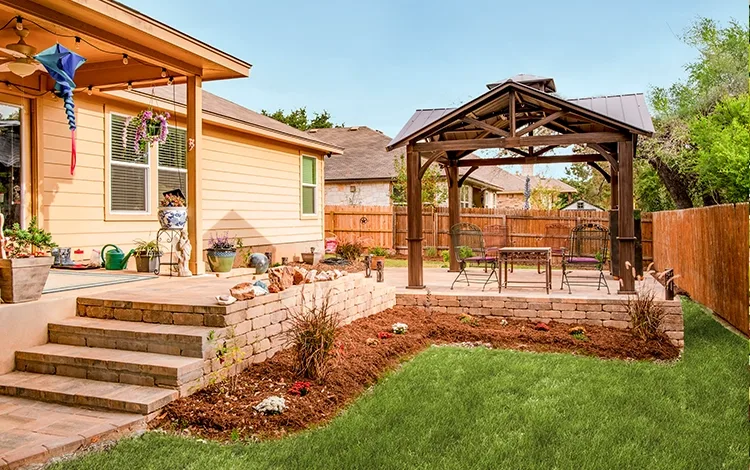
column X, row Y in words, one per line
column 513, row 183
column 365, row 156
column 624, row 111
column 574, row 203
column 216, row 105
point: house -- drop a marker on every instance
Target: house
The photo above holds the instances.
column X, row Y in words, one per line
column 581, row 205
column 514, row 186
column 364, row 173
column 243, row 173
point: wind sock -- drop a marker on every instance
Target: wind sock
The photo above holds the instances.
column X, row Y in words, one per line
column 61, row 64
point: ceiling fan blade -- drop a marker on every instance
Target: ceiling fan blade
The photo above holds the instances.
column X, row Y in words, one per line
column 14, row 54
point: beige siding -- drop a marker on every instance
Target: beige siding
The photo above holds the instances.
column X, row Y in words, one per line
column 251, row 186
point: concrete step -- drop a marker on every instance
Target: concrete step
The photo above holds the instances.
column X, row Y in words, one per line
column 84, row 392
column 177, row 340
column 111, row 365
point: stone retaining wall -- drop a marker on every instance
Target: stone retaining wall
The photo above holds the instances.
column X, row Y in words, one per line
column 600, row 312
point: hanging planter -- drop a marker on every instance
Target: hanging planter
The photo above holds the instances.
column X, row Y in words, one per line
column 150, row 127
column 172, row 212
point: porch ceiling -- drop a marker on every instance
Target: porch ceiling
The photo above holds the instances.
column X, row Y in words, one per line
column 108, row 30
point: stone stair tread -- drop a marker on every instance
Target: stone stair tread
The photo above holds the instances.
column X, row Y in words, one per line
column 71, row 390
column 79, row 355
column 130, row 326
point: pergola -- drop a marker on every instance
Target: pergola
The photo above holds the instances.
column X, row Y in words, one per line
column 507, row 117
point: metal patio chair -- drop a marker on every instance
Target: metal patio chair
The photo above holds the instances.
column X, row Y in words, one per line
column 588, row 247
column 495, row 237
column 468, row 244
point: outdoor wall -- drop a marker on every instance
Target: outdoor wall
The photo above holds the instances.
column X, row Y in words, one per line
column 251, row 186
column 509, row 201
column 367, row 194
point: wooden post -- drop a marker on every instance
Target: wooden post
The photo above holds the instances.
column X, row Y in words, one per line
column 194, row 172
column 414, row 218
column 454, row 210
column 614, row 247
column 626, row 222
column 37, row 160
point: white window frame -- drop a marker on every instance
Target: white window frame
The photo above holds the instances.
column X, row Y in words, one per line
column 465, row 197
column 302, row 212
column 117, row 140
column 580, row 205
column 169, row 168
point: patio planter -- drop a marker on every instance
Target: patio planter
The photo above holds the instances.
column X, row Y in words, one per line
column 147, row 264
column 374, row 261
column 220, row 261
column 173, row 217
column 23, row 279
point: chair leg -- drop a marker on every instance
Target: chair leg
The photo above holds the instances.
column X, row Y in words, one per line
column 457, row 277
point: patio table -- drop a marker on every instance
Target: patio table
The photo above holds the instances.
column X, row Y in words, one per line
column 522, row 254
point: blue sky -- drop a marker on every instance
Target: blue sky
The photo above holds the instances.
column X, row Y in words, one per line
column 374, row 63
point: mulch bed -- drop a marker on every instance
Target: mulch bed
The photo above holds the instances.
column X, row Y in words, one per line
column 352, row 267
column 215, row 413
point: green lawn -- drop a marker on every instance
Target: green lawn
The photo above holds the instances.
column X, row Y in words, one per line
column 467, row 409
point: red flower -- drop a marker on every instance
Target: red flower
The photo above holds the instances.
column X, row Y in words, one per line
column 384, row 335
column 299, row 388
column 541, row 326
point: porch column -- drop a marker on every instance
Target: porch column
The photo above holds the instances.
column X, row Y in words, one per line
column 454, row 209
column 626, row 235
column 414, row 218
column 613, row 232
column 194, row 172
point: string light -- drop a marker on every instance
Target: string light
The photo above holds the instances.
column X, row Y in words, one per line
column 171, row 80
column 125, row 59
column 163, row 72
column 90, row 90
column 78, row 43
column 130, row 86
column 19, row 23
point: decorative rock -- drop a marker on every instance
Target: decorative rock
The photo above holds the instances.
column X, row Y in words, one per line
column 541, row 326
column 372, row 341
column 225, row 299
column 310, row 276
column 299, row 275
column 282, row 276
column 260, row 288
column 243, row 291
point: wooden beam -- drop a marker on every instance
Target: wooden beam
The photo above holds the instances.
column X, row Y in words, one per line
column 466, row 175
column 544, row 150
column 430, row 161
column 541, row 122
column 414, row 219
column 614, row 186
column 626, row 222
column 114, row 72
column 485, row 126
column 572, row 158
column 515, row 142
column 195, row 172
column 610, row 158
column 512, row 112
column 454, row 210
column 596, row 167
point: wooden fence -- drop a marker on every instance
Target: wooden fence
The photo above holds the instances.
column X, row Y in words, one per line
column 708, row 249
column 386, row 226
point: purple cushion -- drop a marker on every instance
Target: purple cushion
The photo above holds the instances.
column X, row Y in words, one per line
column 479, row 258
column 582, row 259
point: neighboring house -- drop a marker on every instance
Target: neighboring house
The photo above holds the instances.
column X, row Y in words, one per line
column 581, row 205
column 256, row 178
column 364, row 174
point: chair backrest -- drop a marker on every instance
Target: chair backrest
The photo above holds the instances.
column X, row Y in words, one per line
column 557, row 237
column 589, row 240
column 495, row 237
column 467, row 241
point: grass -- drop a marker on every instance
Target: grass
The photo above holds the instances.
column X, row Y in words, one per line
column 459, row 409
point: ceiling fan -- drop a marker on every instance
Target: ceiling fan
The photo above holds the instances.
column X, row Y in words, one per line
column 19, row 56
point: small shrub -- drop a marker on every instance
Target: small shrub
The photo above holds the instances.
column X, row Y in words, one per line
column 431, row 252
column 23, row 243
column 580, row 336
column 446, row 256
column 349, row 250
column 384, row 335
column 645, row 314
column 399, row 328
column 378, row 251
column 300, row 388
column 312, row 334
column 271, row 406
column 467, row 319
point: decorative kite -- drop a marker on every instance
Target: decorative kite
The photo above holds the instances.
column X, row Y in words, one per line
column 62, row 64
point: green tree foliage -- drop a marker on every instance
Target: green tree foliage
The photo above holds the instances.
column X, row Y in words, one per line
column 434, row 189
column 299, row 119
column 589, row 184
column 700, row 151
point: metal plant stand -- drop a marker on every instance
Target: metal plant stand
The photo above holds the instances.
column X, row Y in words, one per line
column 169, row 235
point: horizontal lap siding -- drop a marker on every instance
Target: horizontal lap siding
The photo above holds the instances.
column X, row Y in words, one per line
column 251, row 189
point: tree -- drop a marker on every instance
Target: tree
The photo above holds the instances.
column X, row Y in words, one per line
column 299, row 119
column 545, row 198
column 434, row 189
column 590, row 185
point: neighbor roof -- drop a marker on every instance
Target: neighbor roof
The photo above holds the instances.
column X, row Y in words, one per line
column 512, row 183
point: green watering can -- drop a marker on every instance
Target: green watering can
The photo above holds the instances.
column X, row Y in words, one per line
column 115, row 260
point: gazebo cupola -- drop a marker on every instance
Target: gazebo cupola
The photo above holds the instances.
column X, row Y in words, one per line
column 545, row 84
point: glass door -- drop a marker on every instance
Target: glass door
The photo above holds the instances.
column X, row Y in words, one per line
column 11, row 158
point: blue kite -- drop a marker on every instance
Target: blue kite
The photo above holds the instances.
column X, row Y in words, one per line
column 61, row 64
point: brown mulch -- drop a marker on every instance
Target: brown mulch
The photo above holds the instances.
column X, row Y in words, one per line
column 352, row 267
column 215, row 413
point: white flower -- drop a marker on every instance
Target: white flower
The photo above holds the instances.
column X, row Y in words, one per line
column 271, row 406
column 504, row 322
column 400, row 328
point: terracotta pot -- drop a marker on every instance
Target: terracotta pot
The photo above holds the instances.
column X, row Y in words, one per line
column 23, row 279
column 220, row 261
column 374, row 261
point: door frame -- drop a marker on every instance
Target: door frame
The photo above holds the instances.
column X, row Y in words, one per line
column 27, row 189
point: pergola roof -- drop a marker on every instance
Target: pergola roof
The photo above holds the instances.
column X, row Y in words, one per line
column 547, row 83
column 621, row 112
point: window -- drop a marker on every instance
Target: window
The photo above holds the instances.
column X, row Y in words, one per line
column 129, row 171
column 173, row 162
column 579, row 205
column 465, row 196
column 309, row 185
column 489, row 199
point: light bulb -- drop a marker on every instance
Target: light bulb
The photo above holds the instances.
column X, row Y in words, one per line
column 130, row 86
column 163, row 72
column 171, row 80
column 78, row 43
column 125, row 59
column 90, row 90
column 19, row 23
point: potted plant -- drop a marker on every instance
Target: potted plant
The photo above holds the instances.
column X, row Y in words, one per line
column 172, row 211
column 377, row 253
column 150, row 127
column 221, row 253
column 24, row 274
column 147, row 256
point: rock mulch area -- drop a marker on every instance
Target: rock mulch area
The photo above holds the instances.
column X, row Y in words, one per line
column 362, row 356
